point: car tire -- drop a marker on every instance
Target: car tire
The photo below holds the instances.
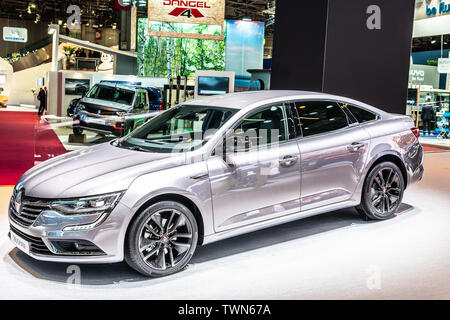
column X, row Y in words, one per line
column 382, row 192
column 162, row 239
column 77, row 131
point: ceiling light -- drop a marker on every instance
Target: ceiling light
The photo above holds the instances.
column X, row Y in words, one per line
column 433, row 41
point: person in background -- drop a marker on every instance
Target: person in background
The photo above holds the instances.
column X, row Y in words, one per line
column 42, row 99
column 427, row 116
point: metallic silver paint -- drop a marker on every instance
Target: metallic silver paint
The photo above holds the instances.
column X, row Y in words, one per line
column 327, row 176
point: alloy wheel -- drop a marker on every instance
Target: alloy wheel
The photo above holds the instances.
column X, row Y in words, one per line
column 165, row 239
column 385, row 191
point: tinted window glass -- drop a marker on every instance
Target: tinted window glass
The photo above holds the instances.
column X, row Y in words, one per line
column 151, row 95
column 114, row 94
column 266, row 126
column 362, row 115
column 319, row 117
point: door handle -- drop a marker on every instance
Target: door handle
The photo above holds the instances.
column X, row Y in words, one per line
column 288, row 161
column 200, row 176
column 355, row 146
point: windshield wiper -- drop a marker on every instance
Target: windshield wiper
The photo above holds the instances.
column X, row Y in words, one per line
column 136, row 148
column 119, row 144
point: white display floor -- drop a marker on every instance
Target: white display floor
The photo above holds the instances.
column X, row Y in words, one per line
column 333, row 256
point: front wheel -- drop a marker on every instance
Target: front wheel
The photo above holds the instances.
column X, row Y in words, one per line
column 383, row 192
column 162, row 239
column 77, row 131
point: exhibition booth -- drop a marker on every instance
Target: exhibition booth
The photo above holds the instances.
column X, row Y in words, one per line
column 429, row 78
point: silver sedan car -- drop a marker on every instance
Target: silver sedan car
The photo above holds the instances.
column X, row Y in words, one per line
column 212, row 169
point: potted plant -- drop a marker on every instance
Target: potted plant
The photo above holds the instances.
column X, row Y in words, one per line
column 69, row 51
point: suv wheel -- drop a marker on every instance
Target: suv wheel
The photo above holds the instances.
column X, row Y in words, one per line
column 382, row 192
column 77, row 131
column 162, row 240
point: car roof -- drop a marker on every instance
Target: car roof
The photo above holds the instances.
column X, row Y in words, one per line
column 118, row 85
column 242, row 100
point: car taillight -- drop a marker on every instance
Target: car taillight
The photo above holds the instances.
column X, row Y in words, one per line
column 160, row 105
column 119, row 126
column 416, row 132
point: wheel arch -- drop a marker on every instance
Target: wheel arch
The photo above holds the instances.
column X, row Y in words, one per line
column 390, row 157
column 176, row 198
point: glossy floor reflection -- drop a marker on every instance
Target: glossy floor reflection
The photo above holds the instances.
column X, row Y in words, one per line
column 336, row 255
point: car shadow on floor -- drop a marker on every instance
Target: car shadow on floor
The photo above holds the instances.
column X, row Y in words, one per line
column 108, row 274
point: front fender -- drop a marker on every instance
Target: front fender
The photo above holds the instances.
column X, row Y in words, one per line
column 176, row 181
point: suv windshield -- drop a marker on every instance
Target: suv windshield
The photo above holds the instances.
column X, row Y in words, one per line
column 113, row 94
column 180, row 129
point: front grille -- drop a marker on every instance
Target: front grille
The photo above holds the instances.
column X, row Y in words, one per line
column 31, row 209
column 103, row 112
column 37, row 246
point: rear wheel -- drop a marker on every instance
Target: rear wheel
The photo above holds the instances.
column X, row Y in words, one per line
column 383, row 192
column 162, row 240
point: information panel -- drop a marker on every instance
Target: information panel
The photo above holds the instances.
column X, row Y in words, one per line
column 15, row 34
column 209, row 12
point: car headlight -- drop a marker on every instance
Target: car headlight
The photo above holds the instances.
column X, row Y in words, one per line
column 79, row 107
column 88, row 205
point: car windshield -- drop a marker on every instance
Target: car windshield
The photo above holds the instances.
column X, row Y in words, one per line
column 180, row 129
column 113, row 94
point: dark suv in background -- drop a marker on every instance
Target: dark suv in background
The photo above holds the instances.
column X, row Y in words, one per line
column 114, row 108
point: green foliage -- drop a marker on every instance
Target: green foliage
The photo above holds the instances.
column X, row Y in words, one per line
column 170, row 57
column 69, row 51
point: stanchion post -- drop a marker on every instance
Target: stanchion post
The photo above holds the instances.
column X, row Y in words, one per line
column 418, row 105
column 170, row 92
column 177, row 98
column 185, row 88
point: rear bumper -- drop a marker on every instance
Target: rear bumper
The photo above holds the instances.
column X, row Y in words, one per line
column 414, row 160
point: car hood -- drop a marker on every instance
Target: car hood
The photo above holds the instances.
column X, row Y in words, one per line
column 99, row 104
column 92, row 171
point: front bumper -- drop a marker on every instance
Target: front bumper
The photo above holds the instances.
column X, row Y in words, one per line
column 48, row 230
column 102, row 128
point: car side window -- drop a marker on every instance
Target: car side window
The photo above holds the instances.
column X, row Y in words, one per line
column 318, row 117
column 360, row 114
column 152, row 95
column 267, row 126
column 141, row 100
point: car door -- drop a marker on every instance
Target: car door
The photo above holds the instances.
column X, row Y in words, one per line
column 261, row 180
column 333, row 151
column 140, row 109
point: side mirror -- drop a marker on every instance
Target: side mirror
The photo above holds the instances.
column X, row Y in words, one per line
column 233, row 145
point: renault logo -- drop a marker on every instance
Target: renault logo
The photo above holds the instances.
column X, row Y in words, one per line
column 18, row 202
